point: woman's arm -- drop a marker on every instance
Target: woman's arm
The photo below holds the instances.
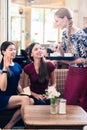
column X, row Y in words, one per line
column 38, row 96
column 23, row 86
column 3, row 81
column 25, row 79
column 20, row 83
column 77, row 61
column 58, row 48
column 20, row 89
column 53, row 78
column 3, row 76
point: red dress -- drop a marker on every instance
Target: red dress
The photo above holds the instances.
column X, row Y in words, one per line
column 35, row 86
column 76, row 87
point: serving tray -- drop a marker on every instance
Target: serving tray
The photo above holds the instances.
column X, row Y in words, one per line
column 60, row 57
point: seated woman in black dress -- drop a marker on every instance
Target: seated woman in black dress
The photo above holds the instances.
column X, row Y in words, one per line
column 9, row 76
column 40, row 71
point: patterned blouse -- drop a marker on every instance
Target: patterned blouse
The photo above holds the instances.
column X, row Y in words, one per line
column 78, row 44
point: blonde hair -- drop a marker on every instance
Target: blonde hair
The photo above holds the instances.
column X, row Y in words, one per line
column 61, row 13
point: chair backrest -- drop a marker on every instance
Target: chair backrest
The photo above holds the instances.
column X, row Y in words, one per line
column 60, row 79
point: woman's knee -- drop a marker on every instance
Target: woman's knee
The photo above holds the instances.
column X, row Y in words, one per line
column 27, row 100
column 31, row 101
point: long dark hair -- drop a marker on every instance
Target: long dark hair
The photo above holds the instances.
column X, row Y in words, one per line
column 43, row 70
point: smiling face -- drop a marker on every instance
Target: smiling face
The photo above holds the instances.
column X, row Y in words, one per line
column 63, row 17
column 61, row 22
column 10, row 51
column 37, row 52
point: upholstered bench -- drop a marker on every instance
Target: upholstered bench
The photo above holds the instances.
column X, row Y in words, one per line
column 60, row 79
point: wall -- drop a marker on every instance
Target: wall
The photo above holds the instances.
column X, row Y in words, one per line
column 79, row 7
column 82, row 12
column 74, row 6
column 3, row 20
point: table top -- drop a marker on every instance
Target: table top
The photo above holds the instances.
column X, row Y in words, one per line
column 40, row 115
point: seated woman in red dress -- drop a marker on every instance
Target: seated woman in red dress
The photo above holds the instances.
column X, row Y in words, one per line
column 39, row 71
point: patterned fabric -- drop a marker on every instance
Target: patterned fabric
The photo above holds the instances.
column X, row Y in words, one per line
column 78, row 44
column 60, row 79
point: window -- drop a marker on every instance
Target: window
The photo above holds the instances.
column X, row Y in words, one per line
column 32, row 25
column 42, row 26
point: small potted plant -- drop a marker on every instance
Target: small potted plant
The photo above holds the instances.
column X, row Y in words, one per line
column 53, row 95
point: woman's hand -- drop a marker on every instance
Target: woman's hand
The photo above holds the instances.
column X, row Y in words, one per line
column 80, row 60
column 39, row 96
column 58, row 48
column 6, row 62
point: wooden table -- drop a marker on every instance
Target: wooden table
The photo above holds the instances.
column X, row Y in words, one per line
column 39, row 117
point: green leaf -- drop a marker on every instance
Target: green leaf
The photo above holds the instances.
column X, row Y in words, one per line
column 54, row 100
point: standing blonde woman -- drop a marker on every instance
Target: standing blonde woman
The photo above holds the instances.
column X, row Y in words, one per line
column 9, row 78
column 74, row 40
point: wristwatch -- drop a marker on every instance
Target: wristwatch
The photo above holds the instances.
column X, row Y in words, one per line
column 4, row 71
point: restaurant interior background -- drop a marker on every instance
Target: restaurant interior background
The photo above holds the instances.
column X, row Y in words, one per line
column 26, row 21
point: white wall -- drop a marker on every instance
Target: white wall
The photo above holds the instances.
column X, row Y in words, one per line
column 82, row 11
column 3, row 20
column 74, row 6
column 79, row 8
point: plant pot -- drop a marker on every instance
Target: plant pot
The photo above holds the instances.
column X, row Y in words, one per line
column 53, row 106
